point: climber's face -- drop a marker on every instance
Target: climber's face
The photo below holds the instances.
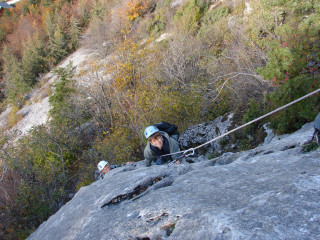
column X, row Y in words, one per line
column 156, row 140
column 106, row 168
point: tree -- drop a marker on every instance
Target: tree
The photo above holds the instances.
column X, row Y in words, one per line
column 97, row 97
column 9, row 184
column 292, row 67
column 34, row 59
column 74, row 34
column 234, row 77
column 180, row 63
column 63, row 88
column 188, row 16
column 129, row 71
column 57, row 45
column 15, row 84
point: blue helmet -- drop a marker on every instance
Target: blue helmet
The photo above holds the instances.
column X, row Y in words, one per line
column 150, row 131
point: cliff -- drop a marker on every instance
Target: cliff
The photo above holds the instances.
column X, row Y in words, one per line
column 271, row 192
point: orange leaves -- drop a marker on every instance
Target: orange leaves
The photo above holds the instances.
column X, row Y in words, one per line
column 127, row 66
column 135, row 9
column 132, row 10
column 23, row 31
column 47, row 11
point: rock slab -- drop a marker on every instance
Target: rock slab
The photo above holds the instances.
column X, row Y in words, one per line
column 271, row 192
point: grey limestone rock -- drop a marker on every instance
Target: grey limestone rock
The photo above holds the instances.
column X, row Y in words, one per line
column 176, row 3
column 271, row 192
column 199, row 134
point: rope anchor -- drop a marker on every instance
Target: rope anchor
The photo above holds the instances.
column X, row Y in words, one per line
column 184, row 154
column 189, row 154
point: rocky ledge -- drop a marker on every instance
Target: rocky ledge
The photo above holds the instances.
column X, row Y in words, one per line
column 271, row 192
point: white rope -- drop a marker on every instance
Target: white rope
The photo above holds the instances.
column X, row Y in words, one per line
column 244, row 125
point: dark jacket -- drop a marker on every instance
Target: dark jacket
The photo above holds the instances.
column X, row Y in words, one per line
column 317, row 122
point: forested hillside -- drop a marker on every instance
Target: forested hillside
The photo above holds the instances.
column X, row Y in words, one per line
column 185, row 62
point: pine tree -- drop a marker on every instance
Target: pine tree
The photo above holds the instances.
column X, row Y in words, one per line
column 15, row 84
column 74, row 33
column 63, row 88
column 58, row 45
column 33, row 60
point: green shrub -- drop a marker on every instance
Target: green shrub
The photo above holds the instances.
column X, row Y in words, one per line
column 2, row 34
column 292, row 67
column 64, row 86
column 13, row 117
column 296, row 6
column 118, row 146
column 255, row 110
column 294, row 49
column 187, row 17
column 157, row 24
column 214, row 26
column 215, row 15
column 310, row 146
column 220, row 106
column 293, row 117
column 165, row 3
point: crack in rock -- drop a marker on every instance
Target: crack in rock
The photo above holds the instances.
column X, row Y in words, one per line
column 137, row 191
column 288, row 147
column 268, row 152
column 157, row 218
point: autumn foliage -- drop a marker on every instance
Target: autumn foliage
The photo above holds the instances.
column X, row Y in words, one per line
column 49, row 30
column 135, row 9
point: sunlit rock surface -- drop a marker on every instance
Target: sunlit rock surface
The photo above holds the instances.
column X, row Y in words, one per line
column 271, row 192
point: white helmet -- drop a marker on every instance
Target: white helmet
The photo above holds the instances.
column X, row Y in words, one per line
column 150, row 131
column 102, row 164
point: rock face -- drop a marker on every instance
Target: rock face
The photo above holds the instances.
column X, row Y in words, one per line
column 199, row 134
column 271, row 192
column 176, row 3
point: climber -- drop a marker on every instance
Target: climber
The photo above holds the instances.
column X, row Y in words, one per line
column 104, row 167
column 317, row 128
column 160, row 143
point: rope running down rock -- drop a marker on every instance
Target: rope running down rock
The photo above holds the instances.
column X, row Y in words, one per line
column 190, row 151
